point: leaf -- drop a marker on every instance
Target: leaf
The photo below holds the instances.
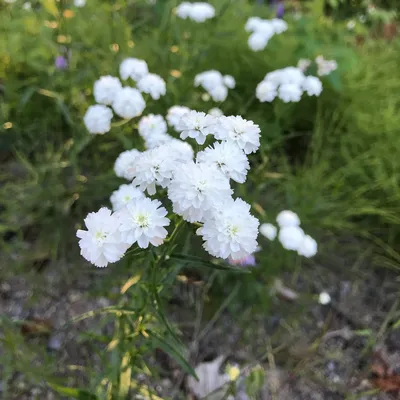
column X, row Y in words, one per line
column 36, row 326
column 75, row 393
column 51, row 7
column 125, row 376
column 130, row 282
column 172, row 351
column 196, row 261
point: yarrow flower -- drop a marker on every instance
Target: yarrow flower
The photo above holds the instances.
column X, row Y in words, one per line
column 128, row 103
column 101, row 244
column 196, row 125
column 198, row 12
column 215, row 84
column 228, row 158
column 106, row 89
column 308, row 247
column 291, row 237
column 245, row 134
column 142, row 221
column 287, row 218
column 288, row 84
column 79, row 3
column 123, row 166
column 232, row 232
column 197, row 190
column 215, row 112
column 325, row 67
column 269, row 231
column 133, row 68
column 175, row 114
column 152, row 125
column 153, row 85
column 262, row 30
column 124, row 195
column 98, row 119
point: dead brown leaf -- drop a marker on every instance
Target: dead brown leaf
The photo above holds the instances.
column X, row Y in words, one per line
column 36, row 326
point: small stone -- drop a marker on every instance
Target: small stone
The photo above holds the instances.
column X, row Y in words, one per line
column 55, row 342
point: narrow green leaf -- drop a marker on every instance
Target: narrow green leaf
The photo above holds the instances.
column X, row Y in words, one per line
column 75, row 393
column 172, row 351
column 125, row 376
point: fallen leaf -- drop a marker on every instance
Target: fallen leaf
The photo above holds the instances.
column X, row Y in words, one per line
column 210, row 379
column 36, row 326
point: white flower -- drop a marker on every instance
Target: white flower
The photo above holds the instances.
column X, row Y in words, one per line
column 153, row 85
column 246, row 134
column 129, row 103
column 279, row 25
column 196, row 125
column 200, row 12
column 303, row 64
column 101, row 243
column 266, row 91
column 229, row 81
column 27, row 6
column 312, row 85
column 133, row 68
column 79, row 3
column 156, row 140
column 308, row 247
column 290, row 92
column 269, row 231
column 252, row 24
column 228, row 158
column 153, row 167
column 324, row 298
column 215, row 112
column 266, row 28
column 106, row 89
column 98, row 119
column 287, row 218
column 183, row 10
column 123, row 195
column 292, row 75
column 143, row 221
column 179, row 150
column 325, row 67
column 276, row 77
column 351, row 25
column 175, row 113
column 209, row 80
column 258, row 41
column 291, row 237
column 123, row 166
column 197, row 190
column 219, row 93
column 232, row 232
column 152, row 125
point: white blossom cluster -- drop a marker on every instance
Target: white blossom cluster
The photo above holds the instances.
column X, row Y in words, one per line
column 288, row 84
column 197, row 12
column 198, row 187
column 324, row 67
column 215, row 84
column 127, row 102
column 262, row 30
column 291, row 236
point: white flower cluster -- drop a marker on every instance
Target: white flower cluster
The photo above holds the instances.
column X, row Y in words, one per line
column 288, row 84
column 262, row 30
column 324, row 67
column 199, row 189
column 127, row 102
column 291, row 236
column 198, row 12
column 215, row 84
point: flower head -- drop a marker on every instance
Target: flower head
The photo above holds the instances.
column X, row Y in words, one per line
column 245, row 134
column 175, row 113
column 287, row 218
column 229, row 81
column 101, row 243
column 123, row 166
column 128, row 103
column 133, row 68
column 228, row 158
column 290, row 92
column 258, row 41
column 247, row 261
column 153, row 85
column 269, row 231
column 152, row 125
column 61, row 62
column 308, row 247
column 215, row 112
column 123, row 195
column 198, row 12
column 142, row 221
column 106, row 89
column 291, row 237
column 219, row 93
column 196, row 125
column 266, row 91
column 197, row 190
column 232, row 232
column 98, row 119
column 312, row 85
column 209, row 79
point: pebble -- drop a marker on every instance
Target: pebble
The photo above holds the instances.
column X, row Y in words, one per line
column 55, row 342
